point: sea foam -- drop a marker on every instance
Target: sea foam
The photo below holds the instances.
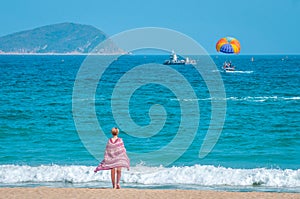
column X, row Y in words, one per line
column 197, row 175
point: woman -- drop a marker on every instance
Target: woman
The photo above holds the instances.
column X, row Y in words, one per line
column 115, row 158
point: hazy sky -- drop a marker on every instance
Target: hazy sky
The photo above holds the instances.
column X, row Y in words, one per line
column 261, row 26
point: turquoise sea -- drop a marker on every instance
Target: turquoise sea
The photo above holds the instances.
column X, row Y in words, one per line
column 258, row 148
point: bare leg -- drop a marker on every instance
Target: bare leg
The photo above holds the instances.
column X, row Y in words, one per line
column 118, row 177
column 113, row 177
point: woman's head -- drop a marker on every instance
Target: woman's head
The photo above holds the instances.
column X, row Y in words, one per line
column 115, row 131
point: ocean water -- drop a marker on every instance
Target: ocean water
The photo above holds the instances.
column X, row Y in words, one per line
column 41, row 142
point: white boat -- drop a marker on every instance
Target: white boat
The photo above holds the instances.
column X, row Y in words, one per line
column 175, row 61
column 228, row 67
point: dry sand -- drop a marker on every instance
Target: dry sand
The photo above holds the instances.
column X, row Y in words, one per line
column 89, row 193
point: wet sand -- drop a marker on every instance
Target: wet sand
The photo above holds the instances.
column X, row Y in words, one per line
column 82, row 193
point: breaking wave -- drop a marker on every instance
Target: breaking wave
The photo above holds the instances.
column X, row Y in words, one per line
column 193, row 176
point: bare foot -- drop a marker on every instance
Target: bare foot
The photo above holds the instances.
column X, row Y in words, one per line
column 118, row 186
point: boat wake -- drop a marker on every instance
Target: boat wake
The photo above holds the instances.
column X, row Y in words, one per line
column 239, row 71
column 247, row 98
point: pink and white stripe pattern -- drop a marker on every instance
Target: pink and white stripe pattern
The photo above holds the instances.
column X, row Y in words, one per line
column 115, row 156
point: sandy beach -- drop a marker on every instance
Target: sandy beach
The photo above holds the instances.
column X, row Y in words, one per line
column 45, row 192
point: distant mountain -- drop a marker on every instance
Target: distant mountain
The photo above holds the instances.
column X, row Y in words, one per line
column 57, row 38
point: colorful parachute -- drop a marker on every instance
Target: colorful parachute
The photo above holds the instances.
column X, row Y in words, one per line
column 228, row 45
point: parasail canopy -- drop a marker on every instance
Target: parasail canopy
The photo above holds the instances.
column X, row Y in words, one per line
column 228, row 45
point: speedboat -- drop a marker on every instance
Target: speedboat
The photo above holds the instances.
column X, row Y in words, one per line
column 228, row 67
column 173, row 60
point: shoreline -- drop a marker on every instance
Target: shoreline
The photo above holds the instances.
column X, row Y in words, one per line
column 47, row 192
column 59, row 54
column 107, row 54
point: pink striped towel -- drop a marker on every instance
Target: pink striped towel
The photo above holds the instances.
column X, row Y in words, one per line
column 115, row 156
